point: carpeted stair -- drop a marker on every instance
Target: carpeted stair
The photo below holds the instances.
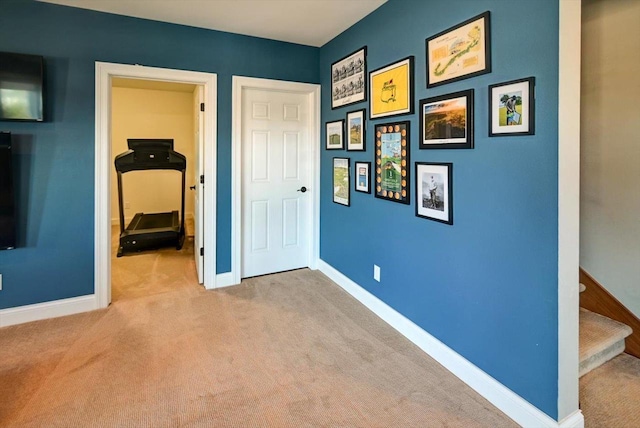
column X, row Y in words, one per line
column 601, row 339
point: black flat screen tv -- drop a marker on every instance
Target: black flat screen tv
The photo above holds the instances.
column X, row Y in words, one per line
column 21, row 78
column 7, row 201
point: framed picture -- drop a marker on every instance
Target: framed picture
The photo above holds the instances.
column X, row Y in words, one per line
column 434, row 191
column 391, row 89
column 460, row 52
column 355, row 131
column 341, row 181
column 335, row 135
column 363, row 177
column 348, row 79
column 446, row 122
column 392, row 161
column 511, row 107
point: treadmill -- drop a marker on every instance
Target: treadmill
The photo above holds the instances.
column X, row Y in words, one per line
column 150, row 230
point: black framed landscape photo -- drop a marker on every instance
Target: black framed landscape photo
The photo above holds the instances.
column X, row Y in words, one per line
column 446, row 121
column 512, row 108
column 434, row 191
column 348, row 79
column 335, row 135
column 392, row 161
column 391, row 89
column 363, row 177
column 356, row 140
column 460, row 52
column 341, row 181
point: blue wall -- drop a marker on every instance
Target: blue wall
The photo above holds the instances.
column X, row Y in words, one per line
column 55, row 160
column 487, row 285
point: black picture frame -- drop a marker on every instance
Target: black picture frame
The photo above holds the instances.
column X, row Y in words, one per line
column 434, row 203
column 334, row 135
column 351, row 123
column 391, row 160
column 341, row 181
column 362, row 182
column 393, row 82
column 447, row 121
column 442, row 47
column 522, row 121
column 353, row 78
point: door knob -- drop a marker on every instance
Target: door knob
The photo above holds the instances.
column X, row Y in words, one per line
column 192, row 187
column 302, row 189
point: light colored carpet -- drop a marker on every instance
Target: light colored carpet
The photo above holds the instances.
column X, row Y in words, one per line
column 610, row 394
column 601, row 339
column 286, row 350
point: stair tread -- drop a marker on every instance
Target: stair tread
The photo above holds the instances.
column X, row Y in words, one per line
column 598, row 332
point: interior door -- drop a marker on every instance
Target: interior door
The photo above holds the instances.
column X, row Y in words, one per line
column 276, row 176
column 198, row 209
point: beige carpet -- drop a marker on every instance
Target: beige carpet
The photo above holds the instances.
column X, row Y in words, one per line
column 286, row 350
column 610, row 394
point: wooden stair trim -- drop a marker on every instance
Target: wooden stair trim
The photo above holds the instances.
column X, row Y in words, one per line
column 597, row 299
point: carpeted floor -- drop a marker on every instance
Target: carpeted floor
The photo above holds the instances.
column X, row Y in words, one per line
column 285, row 350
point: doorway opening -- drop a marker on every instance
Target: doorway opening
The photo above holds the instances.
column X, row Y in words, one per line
column 122, row 91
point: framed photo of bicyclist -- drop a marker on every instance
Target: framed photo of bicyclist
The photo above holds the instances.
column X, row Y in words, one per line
column 391, row 89
column 434, row 191
column 512, row 108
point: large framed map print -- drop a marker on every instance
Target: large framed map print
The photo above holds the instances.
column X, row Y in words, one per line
column 392, row 161
column 460, row 52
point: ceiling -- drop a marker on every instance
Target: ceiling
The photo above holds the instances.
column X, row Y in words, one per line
column 307, row 22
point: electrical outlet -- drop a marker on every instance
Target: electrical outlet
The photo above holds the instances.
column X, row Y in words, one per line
column 376, row 272
column 127, row 205
column 0, row 282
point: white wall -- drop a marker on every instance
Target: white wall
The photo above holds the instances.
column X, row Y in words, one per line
column 610, row 147
column 147, row 113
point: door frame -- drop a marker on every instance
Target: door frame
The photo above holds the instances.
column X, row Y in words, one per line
column 312, row 91
column 103, row 164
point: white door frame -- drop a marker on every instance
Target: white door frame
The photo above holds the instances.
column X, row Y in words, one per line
column 103, row 164
column 313, row 95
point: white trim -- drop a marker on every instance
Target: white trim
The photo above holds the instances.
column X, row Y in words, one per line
column 40, row 311
column 313, row 91
column 568, row 204
column 104, row 73
column 224, row 280
column 575, row 420
column 514, row 406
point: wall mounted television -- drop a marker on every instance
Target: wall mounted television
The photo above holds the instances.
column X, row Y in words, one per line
column 21, row 78
column 7, row 199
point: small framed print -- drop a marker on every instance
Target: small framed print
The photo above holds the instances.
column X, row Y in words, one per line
column 446, row 122
column 460, row 52
column 392, row 161
column 434, row 191
column 512, row 108
column 349, row 79
column 335, row 135
column 391, row 89
column 363, row 177
column 341, row 181
column 355, row 131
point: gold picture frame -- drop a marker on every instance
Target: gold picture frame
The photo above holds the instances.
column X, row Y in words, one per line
column 391, row 89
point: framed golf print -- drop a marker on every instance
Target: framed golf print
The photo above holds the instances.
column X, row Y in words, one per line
column 460, row 52
column 391, row 89
column 392, row 161
column 356, row 131
column 434, row 191
column 512, row 108
column 348, row 79
column 363, row 177
column 446, row 121
column 341, row 181
column 335, row 135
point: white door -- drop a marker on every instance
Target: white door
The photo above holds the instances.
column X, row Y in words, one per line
column 198, row 207
column 276, row 179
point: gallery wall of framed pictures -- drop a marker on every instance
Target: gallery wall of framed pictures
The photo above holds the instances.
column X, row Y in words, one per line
column 446, row 121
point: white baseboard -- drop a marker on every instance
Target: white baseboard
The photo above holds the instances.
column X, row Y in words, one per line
column 224, row 280
column 40, row 311
column 514, row 406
